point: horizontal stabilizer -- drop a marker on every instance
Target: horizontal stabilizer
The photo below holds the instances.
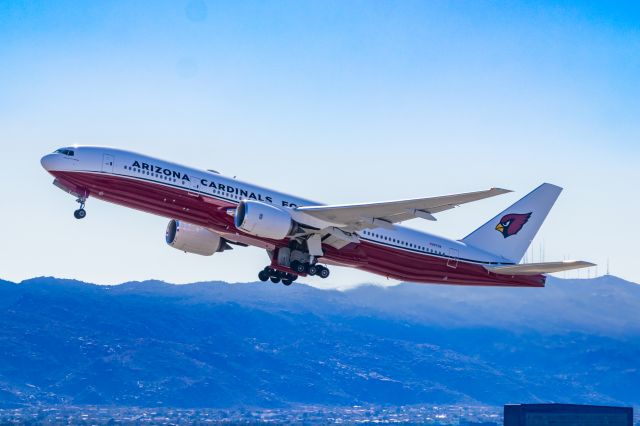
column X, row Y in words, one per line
column 540, row 268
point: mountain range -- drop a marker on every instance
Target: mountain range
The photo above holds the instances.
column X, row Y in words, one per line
column 215, row 344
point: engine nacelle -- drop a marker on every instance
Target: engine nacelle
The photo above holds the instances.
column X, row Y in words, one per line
column 194, row 239
column 263, row 220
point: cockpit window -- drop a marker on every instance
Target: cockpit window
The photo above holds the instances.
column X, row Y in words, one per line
column 64, row 151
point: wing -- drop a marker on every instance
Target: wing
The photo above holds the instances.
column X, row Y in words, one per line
column 355, row 217
column 540, row 268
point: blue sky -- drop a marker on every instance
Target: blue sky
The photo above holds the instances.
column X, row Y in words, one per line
column 338, row 101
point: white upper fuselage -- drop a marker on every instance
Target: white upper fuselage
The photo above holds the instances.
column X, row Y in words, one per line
column 208, row 184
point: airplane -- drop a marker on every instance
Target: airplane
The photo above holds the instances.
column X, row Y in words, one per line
column 210, row 213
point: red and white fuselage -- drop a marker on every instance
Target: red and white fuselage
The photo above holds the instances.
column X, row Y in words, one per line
column 208, row 199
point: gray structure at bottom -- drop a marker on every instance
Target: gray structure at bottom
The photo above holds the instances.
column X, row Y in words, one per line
column 566, row 415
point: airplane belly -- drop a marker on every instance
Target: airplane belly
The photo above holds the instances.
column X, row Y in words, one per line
column 405, row 265
column 151, row 197
column 174, row 202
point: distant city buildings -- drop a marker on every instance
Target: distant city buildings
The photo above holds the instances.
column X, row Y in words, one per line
column 434, row 415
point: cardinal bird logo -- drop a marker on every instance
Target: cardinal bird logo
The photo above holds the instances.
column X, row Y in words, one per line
column 511, row 224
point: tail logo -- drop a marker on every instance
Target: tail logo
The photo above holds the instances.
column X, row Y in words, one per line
column 511, row 224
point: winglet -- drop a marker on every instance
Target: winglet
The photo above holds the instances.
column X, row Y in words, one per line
column 500, row 191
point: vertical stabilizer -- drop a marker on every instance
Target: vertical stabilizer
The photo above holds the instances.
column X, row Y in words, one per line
column 510, row 233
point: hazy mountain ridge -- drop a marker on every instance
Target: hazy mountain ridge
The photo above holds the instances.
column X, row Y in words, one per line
column 219, row 345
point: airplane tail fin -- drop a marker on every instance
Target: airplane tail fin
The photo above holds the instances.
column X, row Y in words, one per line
column 510, row 233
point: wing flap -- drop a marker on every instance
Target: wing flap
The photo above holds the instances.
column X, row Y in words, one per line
column 540, row 268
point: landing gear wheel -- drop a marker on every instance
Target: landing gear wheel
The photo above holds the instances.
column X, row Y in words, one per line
column 81, row 213
column 263, row 276
column 313, row 270
column 300, row 268
column 324, row 272
column 287, row 281
column 275, row 279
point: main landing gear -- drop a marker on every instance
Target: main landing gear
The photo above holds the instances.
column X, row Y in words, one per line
column 81, row 213
column 287, row 278
column 276, row 276
column 310, row 269
column 294, row 257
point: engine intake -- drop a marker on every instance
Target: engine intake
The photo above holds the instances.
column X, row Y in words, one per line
column 194, row 239
column 263, row 220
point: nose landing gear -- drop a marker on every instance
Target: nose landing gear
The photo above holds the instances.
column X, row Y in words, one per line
column 81, row 213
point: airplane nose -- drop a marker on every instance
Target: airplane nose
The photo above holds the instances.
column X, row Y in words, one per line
column 48, row 162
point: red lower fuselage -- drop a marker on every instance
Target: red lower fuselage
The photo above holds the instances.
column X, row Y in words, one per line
column 209, row 211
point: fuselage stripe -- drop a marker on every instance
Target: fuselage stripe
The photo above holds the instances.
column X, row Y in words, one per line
column 235, row 202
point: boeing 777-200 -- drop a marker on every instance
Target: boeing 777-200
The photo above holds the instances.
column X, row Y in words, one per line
column 210, row 213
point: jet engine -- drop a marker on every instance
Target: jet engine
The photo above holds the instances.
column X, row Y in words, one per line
column 263, row 220
column 194, row 239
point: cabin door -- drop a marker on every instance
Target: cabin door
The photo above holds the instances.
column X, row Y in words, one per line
column 453, row 258
column 107, row 163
